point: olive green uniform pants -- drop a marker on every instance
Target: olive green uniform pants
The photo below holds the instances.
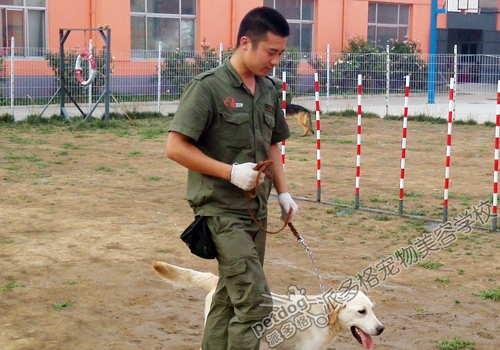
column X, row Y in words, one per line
column 237, row 301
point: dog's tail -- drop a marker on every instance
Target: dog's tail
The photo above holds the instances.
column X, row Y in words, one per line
column 310, row 123
column 185, row 278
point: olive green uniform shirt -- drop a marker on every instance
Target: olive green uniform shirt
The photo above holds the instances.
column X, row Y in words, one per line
column 227, row 123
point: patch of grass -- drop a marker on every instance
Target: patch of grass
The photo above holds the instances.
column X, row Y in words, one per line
column 493, row 294
column 348, row 142
column 7, row 119
column 431, row 265
column 152, row 133
column 164, row 250
column 455, row 344
column 421, row 309
column 62, row 305
column 28, row 157
column 70, row 145
column 420, row 212
column 7, row 241
column 134, row 153
column 465, row 122
column 381, row 217
column 104, row 168
column 442, row 280
column 411, row 194
column 154, row 178
column 460, row 272
column 71, row 283
column 9, row 287
column 418, row 224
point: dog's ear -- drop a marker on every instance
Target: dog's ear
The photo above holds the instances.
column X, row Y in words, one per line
column 333, row 315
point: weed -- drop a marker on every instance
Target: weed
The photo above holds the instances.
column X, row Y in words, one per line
column 411, row 194
column 152, row 133
column 493, row 294
column 7, row 119
column 461, row 272
column 62, row 305
column 7, row 241
column 442, row 280
column 70, row 283
column 134, row 153
column 431, row 265
column 70, row 145
column 104, row 168
column 421, row 310
column 381, row 217
column 154, row 178
column 455, row 344
column 9, row 287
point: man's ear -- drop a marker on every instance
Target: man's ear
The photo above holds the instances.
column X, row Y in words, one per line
column 245, row 43
column 333, row 315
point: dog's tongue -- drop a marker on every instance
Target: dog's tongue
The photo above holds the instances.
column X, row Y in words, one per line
column 366, row 339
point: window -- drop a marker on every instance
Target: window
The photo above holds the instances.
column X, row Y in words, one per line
column 25, row 21
column 386, row 22
column 300, row 17
column 170, row 21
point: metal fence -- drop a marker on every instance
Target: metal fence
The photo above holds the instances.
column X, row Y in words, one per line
column 150, row 80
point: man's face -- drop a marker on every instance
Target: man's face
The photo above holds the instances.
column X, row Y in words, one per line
column 262, row 59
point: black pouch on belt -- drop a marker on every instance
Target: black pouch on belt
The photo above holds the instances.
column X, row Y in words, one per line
column 199, row 239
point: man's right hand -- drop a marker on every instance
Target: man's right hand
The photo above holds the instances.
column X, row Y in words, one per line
column 244, row 176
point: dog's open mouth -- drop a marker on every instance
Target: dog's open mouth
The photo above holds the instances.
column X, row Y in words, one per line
column 362, row 337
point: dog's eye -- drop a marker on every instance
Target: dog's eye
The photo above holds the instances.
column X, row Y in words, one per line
column 362, row 312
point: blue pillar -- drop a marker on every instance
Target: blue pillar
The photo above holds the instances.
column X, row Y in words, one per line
column 431, row 93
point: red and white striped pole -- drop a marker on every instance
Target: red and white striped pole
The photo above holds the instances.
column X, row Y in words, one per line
column 283, row 107
column 495, row 172
column 358, row 142
column 403, row 147
column 318, row 138
column 448, row 151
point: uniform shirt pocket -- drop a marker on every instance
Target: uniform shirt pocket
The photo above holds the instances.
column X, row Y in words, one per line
column 268, row 126
column 236, row 130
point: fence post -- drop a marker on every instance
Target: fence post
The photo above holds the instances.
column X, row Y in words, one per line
column 388, row 80
column 220, row 54
column 12, row 45
column 455, row 75
column 90, row 72
column 159, row 76
column 327, row 78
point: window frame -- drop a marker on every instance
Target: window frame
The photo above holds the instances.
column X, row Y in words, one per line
column 398, row 26
column 142, row 53
column 26, row 49
column 301, row 22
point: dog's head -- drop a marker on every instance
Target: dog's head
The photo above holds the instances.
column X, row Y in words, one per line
column 357, row 316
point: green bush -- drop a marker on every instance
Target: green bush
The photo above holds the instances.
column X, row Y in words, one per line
column 362, row 57
column 180, row 67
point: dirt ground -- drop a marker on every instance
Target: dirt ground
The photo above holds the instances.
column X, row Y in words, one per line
column 85, row 212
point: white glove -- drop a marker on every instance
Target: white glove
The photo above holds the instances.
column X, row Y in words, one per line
column 243, row 176
column 286, row 202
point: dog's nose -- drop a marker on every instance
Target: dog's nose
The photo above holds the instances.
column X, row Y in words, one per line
column 380, row 329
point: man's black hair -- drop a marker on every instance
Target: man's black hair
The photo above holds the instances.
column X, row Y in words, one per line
column 259, row 21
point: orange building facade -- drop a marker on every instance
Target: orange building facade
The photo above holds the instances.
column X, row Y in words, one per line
column 140, row 24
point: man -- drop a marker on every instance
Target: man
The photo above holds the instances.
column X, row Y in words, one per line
column 228, row 120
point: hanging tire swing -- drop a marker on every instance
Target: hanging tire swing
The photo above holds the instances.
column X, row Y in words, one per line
column 78, row 68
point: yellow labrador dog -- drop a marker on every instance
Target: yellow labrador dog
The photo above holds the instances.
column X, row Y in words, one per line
column 298, row 322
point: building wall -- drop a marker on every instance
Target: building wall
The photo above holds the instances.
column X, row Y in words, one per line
column 335, row 21
column 89, row 14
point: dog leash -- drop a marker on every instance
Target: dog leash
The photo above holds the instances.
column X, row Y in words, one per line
column 261, row 168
